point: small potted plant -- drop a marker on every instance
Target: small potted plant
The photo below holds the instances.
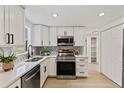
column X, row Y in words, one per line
column 8, row 61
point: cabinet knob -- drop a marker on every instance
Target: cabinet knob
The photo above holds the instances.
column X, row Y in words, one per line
column 17, row 87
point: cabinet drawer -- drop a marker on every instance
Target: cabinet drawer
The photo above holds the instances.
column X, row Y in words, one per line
column 82, row 73
column 81, row 60
column 16, row 84
column 82, row 65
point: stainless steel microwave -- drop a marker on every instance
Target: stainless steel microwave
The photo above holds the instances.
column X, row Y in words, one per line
column 65, row 40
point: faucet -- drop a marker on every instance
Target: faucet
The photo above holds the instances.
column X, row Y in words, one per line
column 30, row 52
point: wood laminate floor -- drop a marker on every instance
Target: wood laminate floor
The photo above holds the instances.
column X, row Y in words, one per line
column 94, row 80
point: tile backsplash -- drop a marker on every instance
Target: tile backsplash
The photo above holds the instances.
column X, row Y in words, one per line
column 53, row 49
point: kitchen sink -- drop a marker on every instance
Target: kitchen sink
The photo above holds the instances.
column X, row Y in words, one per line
column 34, row 59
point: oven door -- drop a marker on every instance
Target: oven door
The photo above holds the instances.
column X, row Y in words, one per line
column 66, row 69
column 32, row 78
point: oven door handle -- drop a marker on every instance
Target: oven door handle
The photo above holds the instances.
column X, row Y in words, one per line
column 65, row 60
column 27, row 79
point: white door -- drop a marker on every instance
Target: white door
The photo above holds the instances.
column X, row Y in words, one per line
column 44, row 35
column 53, row 36
column 79, row 36
column 52, row 66
column 111, row 54
column 117, row 39
column 16, row 25
column 36, row 35
column 2, row 33
column 106, row 64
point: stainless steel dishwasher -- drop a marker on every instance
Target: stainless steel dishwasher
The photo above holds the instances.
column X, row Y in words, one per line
column 32, row 78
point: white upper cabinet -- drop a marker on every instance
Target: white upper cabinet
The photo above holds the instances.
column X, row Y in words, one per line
column 40, row 35
column 79, row 36
column 65, row 31
column 16, row 25
column 36, row 35
column 2, row 25
column 53, row 36
column 44, row 36
column 13, row 25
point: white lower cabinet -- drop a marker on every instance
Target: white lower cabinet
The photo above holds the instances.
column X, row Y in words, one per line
column 16, row 84
column 81, row 67
column 43, row 72
column 52, row 66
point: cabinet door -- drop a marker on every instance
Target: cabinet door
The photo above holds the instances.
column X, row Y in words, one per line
column 16, row 84
column 53, row 36
column 36, row 35
column 65, row 31
column 79, row 36
column 68, row 31
column 46, row 69
column 44, row 36
column 2, row 33
column 7, row 28
column 42, row 78
column 16, row 15
column 60, row 31
column 52, row 66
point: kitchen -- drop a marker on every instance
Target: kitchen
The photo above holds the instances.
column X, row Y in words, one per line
column 52, row 46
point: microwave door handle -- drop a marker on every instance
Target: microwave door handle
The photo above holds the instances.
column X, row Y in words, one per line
column 27, row 79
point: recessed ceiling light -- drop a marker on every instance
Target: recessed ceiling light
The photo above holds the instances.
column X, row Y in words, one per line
column 101, row 14
column 54, row 14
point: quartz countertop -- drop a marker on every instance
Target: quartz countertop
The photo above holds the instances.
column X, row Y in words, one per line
column 20, row 68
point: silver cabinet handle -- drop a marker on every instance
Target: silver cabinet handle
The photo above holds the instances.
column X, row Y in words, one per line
column 27, row 79
column 82, row 60
column 49, row 42
column 82, row 65
column 82, row 72
column 65, row 33
column 42, row 42
column 45, row 69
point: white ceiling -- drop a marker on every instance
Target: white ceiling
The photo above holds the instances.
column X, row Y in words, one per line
column 73, row 15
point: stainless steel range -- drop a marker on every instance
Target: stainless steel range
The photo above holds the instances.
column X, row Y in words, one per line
column 66, row 64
